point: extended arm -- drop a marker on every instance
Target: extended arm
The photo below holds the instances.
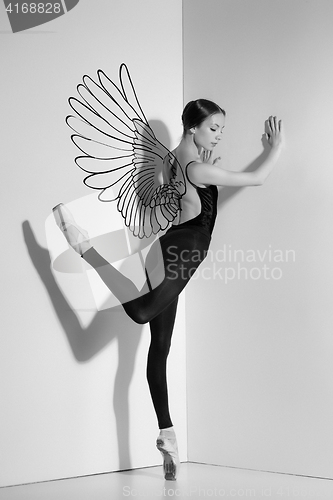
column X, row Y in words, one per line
column 205, row 173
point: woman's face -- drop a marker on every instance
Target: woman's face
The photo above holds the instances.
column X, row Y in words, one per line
column 208, row 134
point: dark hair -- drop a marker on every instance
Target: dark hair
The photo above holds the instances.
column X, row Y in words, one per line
column 195, row 112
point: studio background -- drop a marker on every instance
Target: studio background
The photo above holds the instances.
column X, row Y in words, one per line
column 259, row 377
column 73, row 389
column 250, row 372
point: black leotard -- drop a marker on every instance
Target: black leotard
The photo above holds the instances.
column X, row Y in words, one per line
column 208, row 198
column 184, row 247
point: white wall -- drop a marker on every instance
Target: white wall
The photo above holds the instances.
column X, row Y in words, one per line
column 73, row 391
column 260, row 373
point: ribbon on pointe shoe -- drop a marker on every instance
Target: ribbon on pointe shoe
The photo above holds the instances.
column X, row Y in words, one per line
column 169, row 451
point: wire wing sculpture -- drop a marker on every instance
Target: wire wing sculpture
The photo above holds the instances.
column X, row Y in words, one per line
column 122, row 156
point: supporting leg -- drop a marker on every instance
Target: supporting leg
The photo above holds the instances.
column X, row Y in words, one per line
column 161, row 328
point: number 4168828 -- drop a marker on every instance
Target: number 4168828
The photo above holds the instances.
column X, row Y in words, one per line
column 35, row 8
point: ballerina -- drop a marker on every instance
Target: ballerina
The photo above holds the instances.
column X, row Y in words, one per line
column 125, row 163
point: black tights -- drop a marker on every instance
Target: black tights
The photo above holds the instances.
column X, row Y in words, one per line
column 170, row 263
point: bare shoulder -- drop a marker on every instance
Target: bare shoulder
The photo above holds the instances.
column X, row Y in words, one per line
column 184, row 158
column 196, row 173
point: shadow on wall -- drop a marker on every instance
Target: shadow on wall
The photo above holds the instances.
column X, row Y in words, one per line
column 107, row 326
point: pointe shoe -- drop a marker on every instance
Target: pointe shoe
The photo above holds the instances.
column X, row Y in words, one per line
column 169, row 452
column 76, row 237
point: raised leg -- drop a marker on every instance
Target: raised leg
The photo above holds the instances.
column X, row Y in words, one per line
column 182, row 251
column 176, row 256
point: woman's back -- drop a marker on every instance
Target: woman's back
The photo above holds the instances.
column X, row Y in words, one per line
column 190, row 202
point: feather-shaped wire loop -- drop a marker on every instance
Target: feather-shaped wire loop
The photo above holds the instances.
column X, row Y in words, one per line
column 122, row 156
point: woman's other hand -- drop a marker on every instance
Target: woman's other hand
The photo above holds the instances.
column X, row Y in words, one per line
column 207, row 157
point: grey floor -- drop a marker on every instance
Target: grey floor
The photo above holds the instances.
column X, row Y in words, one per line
column 196, row 481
